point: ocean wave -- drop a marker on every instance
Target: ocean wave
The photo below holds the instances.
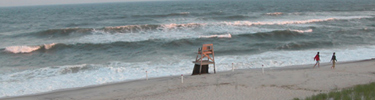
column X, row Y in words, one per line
column 23, row 82
column 68, row 69
column 250, row 23
column 276, row 35
column 233, row 17
column 21, row 49
column 275, row 13
column 49, row 71
column 163, row 15
column 27, row 49
column 79, row 46
column 218, row 36
column 174, row 27
column 303, row 31
column 129, row 28
column 297, row 45
column 52, row 33
column 71, row 76
column 164, row 27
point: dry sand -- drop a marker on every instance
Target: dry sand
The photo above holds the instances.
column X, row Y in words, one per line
column 242, row 84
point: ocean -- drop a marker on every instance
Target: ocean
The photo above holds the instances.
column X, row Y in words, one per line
column 52, row 47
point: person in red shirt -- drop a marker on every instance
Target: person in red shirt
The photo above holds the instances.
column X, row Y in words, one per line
column 317, row 59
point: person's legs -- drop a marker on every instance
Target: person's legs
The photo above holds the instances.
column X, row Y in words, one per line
column 318, row 64
column 315, row 65
column 333, row 64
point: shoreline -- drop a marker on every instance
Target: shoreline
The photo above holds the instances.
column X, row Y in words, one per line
column 297, row 81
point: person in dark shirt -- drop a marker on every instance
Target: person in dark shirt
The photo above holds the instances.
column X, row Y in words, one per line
column 333, row 60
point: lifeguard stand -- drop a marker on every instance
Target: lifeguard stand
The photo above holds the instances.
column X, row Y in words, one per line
column 204, row 58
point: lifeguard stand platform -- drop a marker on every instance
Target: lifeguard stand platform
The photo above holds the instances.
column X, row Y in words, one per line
column 205, row 56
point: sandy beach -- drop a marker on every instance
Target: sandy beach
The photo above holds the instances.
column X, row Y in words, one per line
column 242, row 84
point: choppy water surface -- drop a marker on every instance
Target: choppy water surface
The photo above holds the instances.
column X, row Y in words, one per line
column 45, row 48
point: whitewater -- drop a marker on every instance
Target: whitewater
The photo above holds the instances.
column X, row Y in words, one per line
column 47, row 48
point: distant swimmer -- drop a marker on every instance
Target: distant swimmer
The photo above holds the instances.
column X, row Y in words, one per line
column 333, row 60
column 317, row 59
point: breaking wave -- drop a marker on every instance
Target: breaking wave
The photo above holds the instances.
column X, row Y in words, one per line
column 77, row 32
column 303, row 31
column 28, row 49
column 305, row 45
column 186, row 42
column 51, row 33
column 251, row 23
column 218, row 36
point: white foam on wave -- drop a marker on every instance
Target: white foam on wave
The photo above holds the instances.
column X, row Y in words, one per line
column 303, row 31
column 27, row 49
column 288, row 58
column 175, row 26
column 218, row 36
column 250, row 23
column 197, row 30
column 70, row 76
column 128, row 28
column 285, row 22
column 49, row 46
column 21, row 49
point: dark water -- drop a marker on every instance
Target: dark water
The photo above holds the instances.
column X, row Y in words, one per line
column 63, row 41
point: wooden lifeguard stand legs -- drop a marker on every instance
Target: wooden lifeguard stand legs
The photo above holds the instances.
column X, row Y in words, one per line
column 213, row 59
column 200, row 65
column 204, row 52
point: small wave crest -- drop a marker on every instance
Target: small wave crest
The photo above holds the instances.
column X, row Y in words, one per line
column 250, row 23
column 303, row 31
column 147, row 28
column 175, row 26
column 161, row 29
column 275, row 13
column 72, row 69
column 186, row 26
column 217, row 36
column 277, row 34
column 305, row 45
column 21, row 49
column 49, row 71
column 27, row 49
column 129, row 28
column 21, row 82
column 165, row 27
column 52, row 33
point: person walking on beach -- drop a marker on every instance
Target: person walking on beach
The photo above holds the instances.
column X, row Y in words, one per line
column 333, row 60
column 317, row 59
